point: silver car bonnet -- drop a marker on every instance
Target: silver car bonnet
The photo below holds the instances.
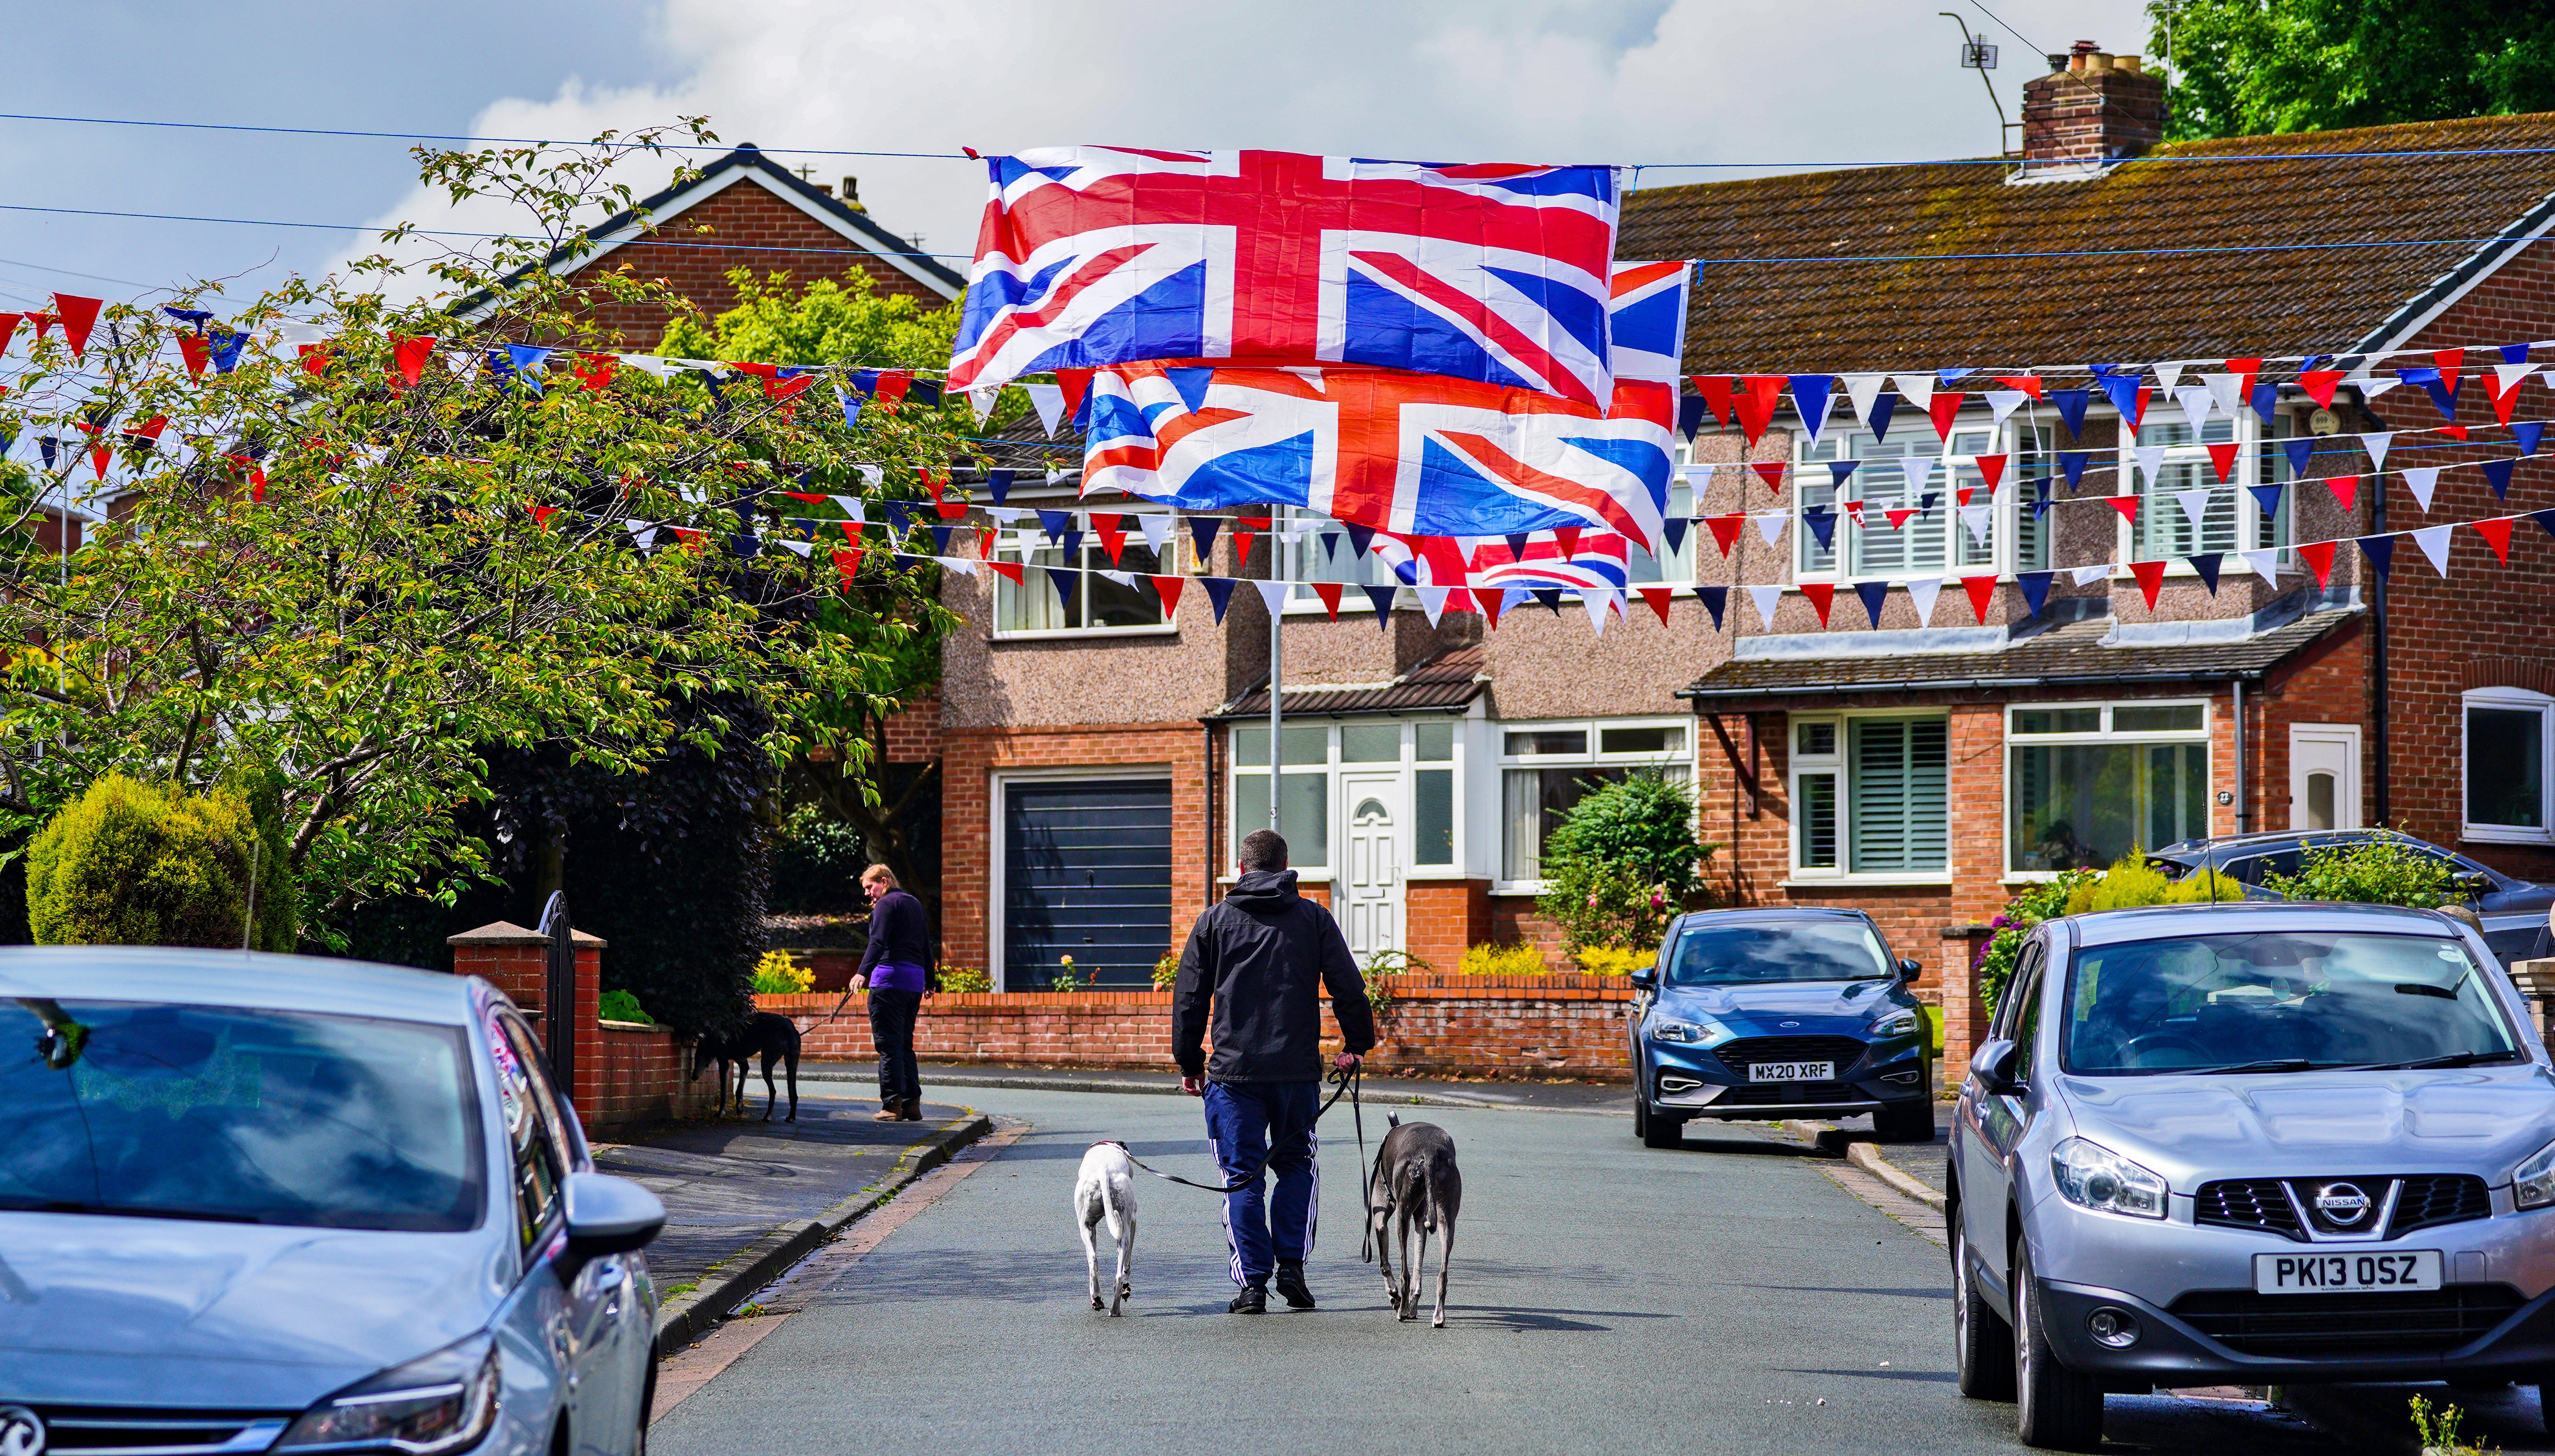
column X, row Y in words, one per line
column 2195, row 1128
column 101, row 1310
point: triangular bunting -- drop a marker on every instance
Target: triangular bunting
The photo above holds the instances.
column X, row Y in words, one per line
column 2496, row 534
column 2035, row 588
column 2496, row 473
column 2070, row 404
column 2205, row 566
column 2150, row 578
column 1921, row 592
column 1821, row 595
column 1725, row 528
column 2346, row 489
column 2381, row 551
column 1381, row 598
column 1168, row 588
column 2434, row 541
column 1219, row 592
column 1716, row 600
column 2128, row 506
column 1657, row 597
column 2222, row 458
column 2317, row 554
column 1874, row 595
column 2195, row 505
column 1982, row 592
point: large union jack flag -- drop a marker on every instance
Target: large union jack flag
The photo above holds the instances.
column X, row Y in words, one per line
column 1411, row 454
column 1093, row 256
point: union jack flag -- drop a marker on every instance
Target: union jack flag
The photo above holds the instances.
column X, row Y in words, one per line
column 1593, row 560
column 1093, row 256
column 1412, row 454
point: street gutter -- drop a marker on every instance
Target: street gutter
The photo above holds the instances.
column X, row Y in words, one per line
column 1064, row 1082
column 691, row 1314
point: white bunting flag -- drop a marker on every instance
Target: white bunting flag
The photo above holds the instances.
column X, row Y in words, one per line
column 1916, row 389
column 873, row 477
column 2195, row 399
column 2434, row 541
column 653, row 364
column 2421, row 480
column 1433, row 602
column 2507, row 375
column 1056, row 475
column 2547, row 379
column 854, row 507
column 2373, row 385
column 1048, row 401
column 1919, row 468
column 785, row 543
column 2195, row 505
column 465, row 363
column 1698, row 480
column 963, row 565
column 1922, row 590
column 1771, row 526
column 2266, row 564
column 1767, row 598
column 1597, row 599
column 1976, row 519
column 2150, row 460
column 2004, row 402
column 1274, row 593
column 1861, row 388
column 2228, row 391
column 2377, row 441
column 1157, row 530
column 1126, row 579
column 2167, row 375
column 2088, row 576
column 982, row 400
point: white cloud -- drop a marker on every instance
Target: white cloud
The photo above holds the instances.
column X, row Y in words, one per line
column 1772, row 83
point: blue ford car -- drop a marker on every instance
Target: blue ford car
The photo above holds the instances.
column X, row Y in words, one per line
column 277, row 1204
column 1762, row 1014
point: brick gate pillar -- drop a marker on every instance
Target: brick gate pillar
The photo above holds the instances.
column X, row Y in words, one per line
column 516, row 961
column 1965, row 1012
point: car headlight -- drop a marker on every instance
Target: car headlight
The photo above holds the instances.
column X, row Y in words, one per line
column 1691, row 1034
column 1900, row 1022
column 439, row 1403
column 2533, row 1183
column 2091, row 1176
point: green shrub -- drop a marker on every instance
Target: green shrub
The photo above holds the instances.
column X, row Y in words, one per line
column 1623, row 864
column 132, row 864
column 620, row 1005
column 2387, row 870
column 1493, row 959
column 779, row 975
column 2132, row 881
column 960, row 980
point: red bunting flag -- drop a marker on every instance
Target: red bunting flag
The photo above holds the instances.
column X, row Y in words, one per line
column 1243, row 529
column 2504, row 400
column 1755, row 405
column 851, row 530
column 847, row 563
column 2346, row 489
column 1725, row 528
column 1945, row 407
column 1657, row 597
column 1820, row 593
column 99, row 455
column 932, row 480
column 43, row 322
column 1772, row 472
column 1491, row 601
column 1076, row 383
column 985, row 535
column 787, row 389
column 1898, row 516
column 2317, row 554
column 541, row 514
column 1854, row 512
column 2145, row 393
column 692, row 539
column 314, row 357
column 765, row 372
column 2496, row 534
column 1992, row 470
column 1112, row 533
column 1329, row 592
column 2128, row 506
column 79, row 315
column 194, row 349
column 1982, row 590
column 2244, row 370
column 2448, row 360
column 1715, row 389
column 1961, row 496
column 1567, row 537
column 2320, row 385
column 2222, row 458
column 593, row 371
column 2150, row 575
column 1168, row 586
column 1008, row 571
column 2030, row 384
column 9, row 326
column 893, row 384
column 951, row 510
column 2453, row 431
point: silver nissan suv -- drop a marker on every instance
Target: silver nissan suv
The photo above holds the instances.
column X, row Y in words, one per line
column 2251, row 1144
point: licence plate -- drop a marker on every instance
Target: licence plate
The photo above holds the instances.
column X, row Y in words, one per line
column 1792, row 1072
column 2326, row 1273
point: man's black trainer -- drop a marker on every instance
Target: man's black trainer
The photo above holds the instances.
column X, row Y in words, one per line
column 1290, row 1283
column 1254, row 1299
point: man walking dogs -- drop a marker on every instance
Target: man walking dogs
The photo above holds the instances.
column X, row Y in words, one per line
column 1257, row 956
column 900, row 951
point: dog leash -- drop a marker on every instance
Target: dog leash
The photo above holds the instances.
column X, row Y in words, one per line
column 1343, row 1080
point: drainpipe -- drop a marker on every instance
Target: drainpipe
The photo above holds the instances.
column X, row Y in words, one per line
column 2377, row 636
column 1208, row 892
column 2240, row 815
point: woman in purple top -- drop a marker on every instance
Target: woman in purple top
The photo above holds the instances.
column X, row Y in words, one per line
column 900, row 949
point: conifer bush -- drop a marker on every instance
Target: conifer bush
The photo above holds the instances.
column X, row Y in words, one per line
column 129, row 863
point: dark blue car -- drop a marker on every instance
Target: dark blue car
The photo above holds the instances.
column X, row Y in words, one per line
column 1757, row 1014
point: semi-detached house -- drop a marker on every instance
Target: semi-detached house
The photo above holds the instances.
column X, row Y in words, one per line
column 1102, row 754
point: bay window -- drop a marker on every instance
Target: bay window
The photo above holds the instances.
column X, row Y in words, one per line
column 1545, row 768
column 2230, row 520
column 2507, row 747
column 2087, row 783
column 1915, row 472
column 1870, row 796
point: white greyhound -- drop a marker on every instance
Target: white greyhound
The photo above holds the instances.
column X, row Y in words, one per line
column 1106, row 1188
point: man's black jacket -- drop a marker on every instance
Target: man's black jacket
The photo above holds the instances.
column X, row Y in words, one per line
column 1257, row 953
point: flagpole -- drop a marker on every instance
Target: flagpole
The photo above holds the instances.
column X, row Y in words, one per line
column 1277, row 660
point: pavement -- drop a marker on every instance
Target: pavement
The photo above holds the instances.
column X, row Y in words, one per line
column 1734, row 1294
column 1606, row 1097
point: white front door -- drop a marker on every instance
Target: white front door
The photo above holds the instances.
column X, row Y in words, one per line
column 2324, row 776
column 1369, row 893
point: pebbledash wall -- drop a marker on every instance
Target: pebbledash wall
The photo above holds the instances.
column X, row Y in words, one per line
column 625, row 1072
column 1560, row 1026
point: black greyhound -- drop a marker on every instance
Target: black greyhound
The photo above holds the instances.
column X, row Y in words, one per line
column 768, row 1035
column 1416, row 1182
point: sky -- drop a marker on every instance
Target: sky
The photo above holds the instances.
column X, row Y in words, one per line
column 1768, row 85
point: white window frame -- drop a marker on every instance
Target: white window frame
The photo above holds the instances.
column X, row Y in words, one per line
column 1594, row 757
column 2107, row 736
column 1840, row 765
column 2004, row 530
column 2258, row 462
column 1409, row 766
column 2511, row 699
column 1021, row 545
column 997, row 900
column 1300, row 561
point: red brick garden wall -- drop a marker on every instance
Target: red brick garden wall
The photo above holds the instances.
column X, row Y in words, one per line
column 1567, row 1026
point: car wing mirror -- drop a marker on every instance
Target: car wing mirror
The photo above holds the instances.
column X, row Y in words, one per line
column 1909, row 970
column 1646, row 977
column 1993, row 1066
column 2475, row 883
column 606, row 1215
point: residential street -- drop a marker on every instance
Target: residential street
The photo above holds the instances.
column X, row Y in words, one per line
column 1729, row 1297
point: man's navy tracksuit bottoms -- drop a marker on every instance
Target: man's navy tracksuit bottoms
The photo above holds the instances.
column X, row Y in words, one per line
column 1254, row 1125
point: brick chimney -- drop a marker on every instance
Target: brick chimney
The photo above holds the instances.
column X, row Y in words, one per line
column 2092, row 107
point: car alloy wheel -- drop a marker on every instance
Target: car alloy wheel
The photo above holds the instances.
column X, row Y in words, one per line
column 1982, row 1342
column 2054, row 1407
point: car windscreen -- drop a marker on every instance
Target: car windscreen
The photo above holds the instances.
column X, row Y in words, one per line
column 246, row 1116
column 1741, row 953
column 2279, row 1001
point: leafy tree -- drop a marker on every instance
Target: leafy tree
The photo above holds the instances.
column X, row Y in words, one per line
column 2380, row 871
column 383, row 542
column 1623, row 864
column 2242, row 67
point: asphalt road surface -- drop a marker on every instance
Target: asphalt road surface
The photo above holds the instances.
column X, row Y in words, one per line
column 1606, row 1297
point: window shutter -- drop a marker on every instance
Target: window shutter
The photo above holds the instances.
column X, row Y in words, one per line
column 1900, row 816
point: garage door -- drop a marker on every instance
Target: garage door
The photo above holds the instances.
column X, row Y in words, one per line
column 1086, row 873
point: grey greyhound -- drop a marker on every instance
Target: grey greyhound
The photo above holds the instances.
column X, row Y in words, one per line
column 1416, row 1182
